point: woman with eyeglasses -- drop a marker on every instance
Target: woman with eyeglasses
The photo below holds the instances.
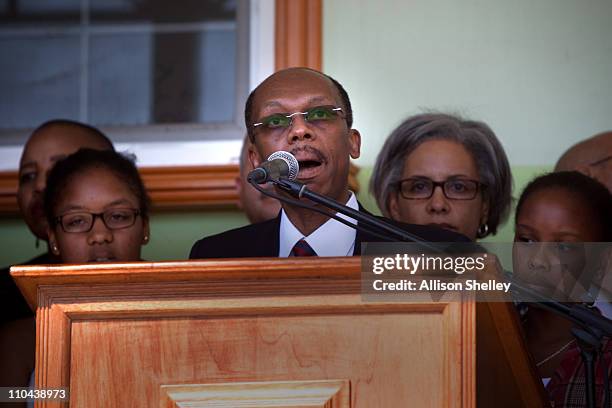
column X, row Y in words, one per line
column 97, row 208
column 441, row 170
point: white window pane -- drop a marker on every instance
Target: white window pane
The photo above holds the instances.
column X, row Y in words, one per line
column 39, row 78
column 134, row 64
column 120, row 78
column 139, row 79
column 217, row 89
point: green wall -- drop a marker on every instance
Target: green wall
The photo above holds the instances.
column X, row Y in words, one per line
column 538, row 72
column 173, row 234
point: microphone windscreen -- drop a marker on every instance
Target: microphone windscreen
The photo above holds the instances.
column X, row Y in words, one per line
column 292, row 163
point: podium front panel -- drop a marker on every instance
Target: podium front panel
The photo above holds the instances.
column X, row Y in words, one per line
column 268, row 333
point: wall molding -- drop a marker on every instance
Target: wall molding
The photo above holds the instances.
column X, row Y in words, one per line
column 176, row 188
column 170, row 188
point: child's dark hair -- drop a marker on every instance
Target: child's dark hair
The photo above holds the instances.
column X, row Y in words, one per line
column 593, row 194
column 84, row 159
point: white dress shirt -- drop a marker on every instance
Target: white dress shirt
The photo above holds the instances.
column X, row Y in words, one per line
column 330, row 239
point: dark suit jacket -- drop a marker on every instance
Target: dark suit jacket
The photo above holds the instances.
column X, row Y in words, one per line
column 262, row 239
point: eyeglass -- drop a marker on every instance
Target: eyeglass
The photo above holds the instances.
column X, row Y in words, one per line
column 416, row 188
column 83, row 221
column 282, row 121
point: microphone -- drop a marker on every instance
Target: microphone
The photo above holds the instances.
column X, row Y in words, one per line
column 279, row 164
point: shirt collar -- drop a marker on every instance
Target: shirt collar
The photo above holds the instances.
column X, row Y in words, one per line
column 330, row 239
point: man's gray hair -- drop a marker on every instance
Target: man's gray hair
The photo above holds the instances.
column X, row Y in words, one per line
column 476, row 137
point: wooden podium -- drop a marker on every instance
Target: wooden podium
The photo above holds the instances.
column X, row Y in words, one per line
column 262, row 333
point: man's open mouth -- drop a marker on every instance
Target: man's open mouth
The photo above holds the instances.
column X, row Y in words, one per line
column 308, row 164
column 309, row 169
column 311, row 162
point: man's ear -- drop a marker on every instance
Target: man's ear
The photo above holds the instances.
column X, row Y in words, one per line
column 354, row 143
column 254, row 156
column 239, row 186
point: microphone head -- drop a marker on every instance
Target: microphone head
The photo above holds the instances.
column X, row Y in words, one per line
column 292, row 163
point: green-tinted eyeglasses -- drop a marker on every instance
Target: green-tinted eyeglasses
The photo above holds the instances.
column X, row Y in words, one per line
column 282, row 121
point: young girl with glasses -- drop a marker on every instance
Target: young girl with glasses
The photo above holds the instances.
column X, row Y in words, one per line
column 97, row 208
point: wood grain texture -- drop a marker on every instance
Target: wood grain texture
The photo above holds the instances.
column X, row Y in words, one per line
column 298, row 34
column 510, row 377
column 191, row 187
column 265, row 394
column 391, row 356
column 469, row 343
column 170, row 188
column 53, row 342
column 116, row 333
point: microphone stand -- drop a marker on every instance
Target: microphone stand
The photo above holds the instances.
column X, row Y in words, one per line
column 394, row 233
column 589, row 331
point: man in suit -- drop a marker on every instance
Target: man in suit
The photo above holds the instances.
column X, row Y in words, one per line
column 308, row 114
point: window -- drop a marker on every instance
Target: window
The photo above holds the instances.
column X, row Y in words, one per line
column 139, row 69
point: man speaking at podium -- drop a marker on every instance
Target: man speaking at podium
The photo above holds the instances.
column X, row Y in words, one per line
column 306, row 113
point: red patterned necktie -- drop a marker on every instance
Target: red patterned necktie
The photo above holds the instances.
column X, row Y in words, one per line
column 301, row 248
